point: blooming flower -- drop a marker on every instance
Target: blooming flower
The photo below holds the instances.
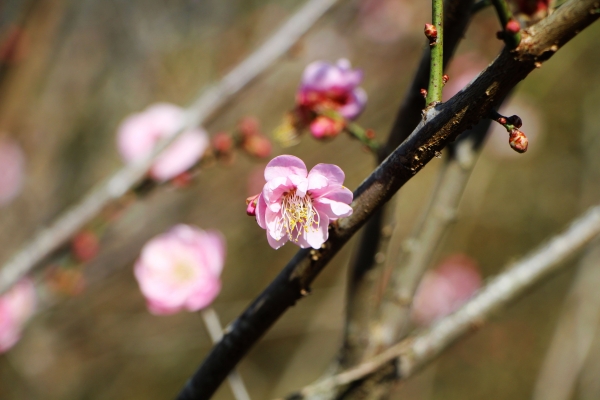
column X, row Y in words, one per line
column 139, row 133
column 332, row 86
column 16, row 307
column 180, row 269
column 12, row 165
column 445, row 289
column 298, row 206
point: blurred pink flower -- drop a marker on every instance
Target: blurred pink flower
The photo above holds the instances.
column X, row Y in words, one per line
column 12, row 166
column 180, row 269
column 332, row 86
column 16, row 307
column 445, row 289
column 298, row 206
column 139, row 133
column 463, row 70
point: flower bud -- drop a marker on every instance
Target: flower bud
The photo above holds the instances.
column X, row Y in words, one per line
column 445, row 78
column 516, row 121
column 424, row 93
column 249, row 126
column 222, row 142
column 324, row 127
column 257, row 146
column 512, row 27
column 85, row 246
column 518, row 141
column 430, row 32
column 251, row 205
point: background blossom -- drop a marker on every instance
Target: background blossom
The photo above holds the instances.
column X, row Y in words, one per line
column 139, row 133
column 181, row 269
column 16, row 307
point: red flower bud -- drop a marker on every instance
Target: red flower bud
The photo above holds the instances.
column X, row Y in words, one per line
column 445, row 78
column 249, row 126
column 257, row 146
column 182, row 180
column 222, row 142
column 85, row 246
column 430, row 32
column 512, row 27
column 502, row 121
column 424, row 93
column 518, row 141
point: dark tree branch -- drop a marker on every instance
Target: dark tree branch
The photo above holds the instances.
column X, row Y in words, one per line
column 440, row 125
column 456, row 18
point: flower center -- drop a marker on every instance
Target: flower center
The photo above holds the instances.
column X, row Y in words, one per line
column 298, row 215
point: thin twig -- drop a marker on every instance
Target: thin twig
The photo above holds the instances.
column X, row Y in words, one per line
column 379, row 228
column 215, row 330
column 416, row 351
column 434, row 92
column 66, row 225
column 439, row 127
column 512, row 39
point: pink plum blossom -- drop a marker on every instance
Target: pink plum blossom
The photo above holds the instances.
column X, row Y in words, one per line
column 332, row 86
column 139, row 133
column 12, row 165
column 445, row 289
column 298, row 205
column 181, row 269
column 16, row 307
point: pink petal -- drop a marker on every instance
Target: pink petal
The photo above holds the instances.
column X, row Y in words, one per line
column 300, row 183
column 333, row 209
column 317, row 237
column 181, row 155
column 261, row 209
column 275, row 188
column 355, row 105
column 284, row 166
column 203, row 297
column 274, row 243
column 333, row 173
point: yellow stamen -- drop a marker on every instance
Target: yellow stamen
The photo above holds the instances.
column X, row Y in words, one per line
column 297, row 214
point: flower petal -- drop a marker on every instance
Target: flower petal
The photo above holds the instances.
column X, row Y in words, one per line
column 333, row 173
column 261, row 209
column 315, row 238
column 283, row 166
column 333, row 209
column 274, row 243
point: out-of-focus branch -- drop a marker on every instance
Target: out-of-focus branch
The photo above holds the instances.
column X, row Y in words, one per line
column 419, row 248
column 417, row 351
column 66, row 225
column 360, row 282
column 440, row 125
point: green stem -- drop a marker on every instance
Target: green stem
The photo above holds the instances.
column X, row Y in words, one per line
column 434, row 94
column 505, row 15
column 363, row 136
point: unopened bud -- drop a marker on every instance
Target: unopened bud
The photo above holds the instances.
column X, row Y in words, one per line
column 251, row 205
column 325, row 128
column 445, row 78
column 430, row 32
column 424, row 93
column 512, row 27
column 85, row 246
column 515, row 121
column 257, row 146
column 501, row 121
column 182, row 180
column 518, row 141
column 370, row 133
column 249, row 126
column 222, row 142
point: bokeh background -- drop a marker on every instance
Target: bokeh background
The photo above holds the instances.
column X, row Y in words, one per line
column 80, row 67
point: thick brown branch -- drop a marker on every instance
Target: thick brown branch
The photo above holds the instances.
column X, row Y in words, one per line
column 439, row 126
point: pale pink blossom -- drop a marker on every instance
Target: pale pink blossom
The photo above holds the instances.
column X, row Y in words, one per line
column 16, row 307
column 332, row 86
column 139, row 133
column 12, row 166
column 297, row 205
column 445, row 289
column 181, row 269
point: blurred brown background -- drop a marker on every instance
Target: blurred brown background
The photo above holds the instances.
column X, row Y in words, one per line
column 82, row 66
